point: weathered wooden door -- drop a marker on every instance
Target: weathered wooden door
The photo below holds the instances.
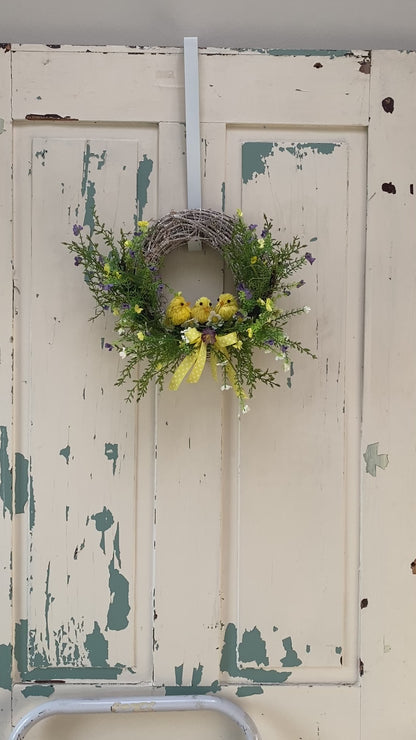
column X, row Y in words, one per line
column 175, row 546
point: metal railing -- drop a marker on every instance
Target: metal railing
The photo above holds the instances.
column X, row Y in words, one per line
column 117, row 705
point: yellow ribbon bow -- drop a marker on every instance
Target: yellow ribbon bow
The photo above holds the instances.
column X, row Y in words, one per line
column 195, row 360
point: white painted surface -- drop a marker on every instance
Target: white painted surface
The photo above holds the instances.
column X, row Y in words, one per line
column 242, row 531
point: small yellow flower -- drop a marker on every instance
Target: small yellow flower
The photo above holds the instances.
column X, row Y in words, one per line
column 238, row 344
column 253, row 260
column 239, row 213
column 250, row 332
column 107, row 268
column 140, row 336
column 118, row 275
column 159, row 366
column 260, row 242
column 269, row 304
column 137, row 308
column 128, row 243
column 116, row 312
column 143, row 225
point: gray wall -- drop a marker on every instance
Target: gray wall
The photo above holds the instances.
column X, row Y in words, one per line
column 289, row 24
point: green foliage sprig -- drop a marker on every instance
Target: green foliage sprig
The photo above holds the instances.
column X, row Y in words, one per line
column 125, row 280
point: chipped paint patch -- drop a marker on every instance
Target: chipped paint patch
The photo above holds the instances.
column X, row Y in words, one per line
column 103, row 521
column 291, row 374
column 291, row 659
column 223, row 197
column 37, row 689
column 373, row 460
column 21, row 483
column 116, row 545
column 111, row 453
column 249, row 690
column 6, row 667
column 6, row 489
column 65, row 452
column 331, row 53
column 195, row 688
column 144, row 171
column 2, row 129
column 253, row 648
column 300, row 150
column 228, row 663
column 41, row 670
column 97, row 647
column 254, row 158
column 90, row 207
column 48, row 601
column 42, row 156
column 119, row 607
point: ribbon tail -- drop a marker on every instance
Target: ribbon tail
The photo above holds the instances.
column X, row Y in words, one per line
column 181, row 371
column 199, row 365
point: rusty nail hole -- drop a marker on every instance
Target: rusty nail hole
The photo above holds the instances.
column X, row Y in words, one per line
column 388, row 187
column 318, row 65
column 361, row 668
column 388, row 105
column 364, row 603
column 411, row 188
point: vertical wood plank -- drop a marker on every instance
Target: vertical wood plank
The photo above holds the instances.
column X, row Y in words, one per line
column 388, row 585
column 6, row 429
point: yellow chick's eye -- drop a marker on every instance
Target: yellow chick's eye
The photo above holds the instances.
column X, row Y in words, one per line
column 228, row 300
column 200, row 303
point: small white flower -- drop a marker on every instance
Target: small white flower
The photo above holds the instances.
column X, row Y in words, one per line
column 280, row 356
column 306, row 309
column 121, row 331
column 123, row 353
column 267, row 352
column 225, row 387
column 184, row 337
column 222, row 364
column 245, row 409
column 286, row 366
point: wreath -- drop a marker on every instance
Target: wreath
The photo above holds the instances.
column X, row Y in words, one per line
column 157, row 326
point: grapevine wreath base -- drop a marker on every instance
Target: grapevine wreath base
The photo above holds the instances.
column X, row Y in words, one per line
column 156, row 326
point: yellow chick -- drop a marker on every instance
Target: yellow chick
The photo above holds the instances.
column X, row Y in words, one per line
column 178, row 311
column 201, row 310
column 227, row 306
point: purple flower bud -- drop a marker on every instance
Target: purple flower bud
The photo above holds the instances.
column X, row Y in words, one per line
column 108, row 346
column 108, row 287
column 247, row 292
column 264, row 233
column 309, row 257
column 300, row 283
column 132, row 253
column 125, row 306
column 77, row 260
column 286, row 292
column 284, row 348
column 208, row 335
column 252, row 227
column 76, row 229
